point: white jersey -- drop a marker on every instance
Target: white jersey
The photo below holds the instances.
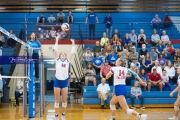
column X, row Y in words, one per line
column 53, row 33
column 62, row 69
column 120, row 75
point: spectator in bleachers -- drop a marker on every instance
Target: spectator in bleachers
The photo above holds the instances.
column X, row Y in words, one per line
column 167, row 22
column 126, row 40
column 119, row 48
column 103, row 90
column 164, row 38
column 114, row 44
column 133, row 38
column 177, row 55
column 112, row 58
column 162, row 61
column 170, row 48
column 153, row 54
column 166, row 55
column 143, row 76
column 103, row 54
column 147, row 63
column 116, row 33
column 154, row 79
column 116, row 38
column 129, row 47
column 89, row 73
column 160, row 47
column 105, row 69
column 41, row 19
column 60, row 17
column 155, row 38
column 97, row 62
column 11, row 42
column 133, row 54
column 53, row 33
column 136, row 93
column 130, row 77
column 97, row 48
column 51, row 18
column 165, row 80
column 125, row 55
column 2, row 40
column 108, row 24
column 141, row 38
column 87, row 57
column 143, row 51
column 170, row 72
column 156, row 22
column 177, row 63
column 136, row 63
column 108, row 48
column 92, row 19
column 158, row 68
column 104, row 40
column 70, row 18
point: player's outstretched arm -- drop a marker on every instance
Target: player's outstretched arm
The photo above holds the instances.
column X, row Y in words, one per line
column 72, row 49
column 55, row 48
column 175, row 90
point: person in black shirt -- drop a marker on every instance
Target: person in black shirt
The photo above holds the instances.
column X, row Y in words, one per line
column 119, row 48
column 143, row 51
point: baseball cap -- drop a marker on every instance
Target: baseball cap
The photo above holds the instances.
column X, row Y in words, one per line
column 134, row 58
column 154, row 69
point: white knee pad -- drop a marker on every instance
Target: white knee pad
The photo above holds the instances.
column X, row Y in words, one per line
column 56, row 105
column 64, row 105
column 129, row 111
column 112, row 107
column 176, row 108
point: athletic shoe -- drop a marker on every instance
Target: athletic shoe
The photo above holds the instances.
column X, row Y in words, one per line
column 112, row 118
column 133, row 107
column 143, row 117
column 142, row 107
column 63, row 117
column 173, row 118
column 102, row 106
column 56, row 117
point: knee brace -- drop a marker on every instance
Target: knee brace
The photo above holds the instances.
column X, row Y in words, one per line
column 56, row 105
column 112, row 107
column 64, row 105
column 176, row 108
column 129, row 111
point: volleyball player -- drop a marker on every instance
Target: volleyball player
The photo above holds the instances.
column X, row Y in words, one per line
column 120, row 72
column 61, row 77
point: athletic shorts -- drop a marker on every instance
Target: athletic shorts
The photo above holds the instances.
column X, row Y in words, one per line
column 61, row 83
column 120, row 90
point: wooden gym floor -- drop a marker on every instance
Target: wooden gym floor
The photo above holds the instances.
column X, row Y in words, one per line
column 76, row 112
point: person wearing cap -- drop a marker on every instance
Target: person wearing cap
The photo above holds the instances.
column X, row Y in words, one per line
column 97, row 62
column 129, row 47
column 87, row 57
column 167, row 23
column 158, row 67
column 112, row 58
column 164, row 37
column 133, row 38
column 126, row 40
column 154, row 80
column 125, row 54
column 143, row 51
column 133, row 54
column 108, row 24
column 155, row 38
column 153, row 54
column 104, row 40
column 97, row 48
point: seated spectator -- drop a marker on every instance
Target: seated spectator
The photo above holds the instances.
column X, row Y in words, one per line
column 112, row 58
column 177, row 55
column 70, row 18
column 136, row 93
column 167, row 22
column 136, row 63
column 177, row 63
column 154, row 80
column 170, row 48
column 125, row 55
column 104, row 40
column 108, row 24
column 87, row 57
column 51, row 18
column 133, row 54
column 153, row 54
column 143, row 76
column 116, row 38
column 165, row 81
column 166, row 55
column 147, row 63
column 108, row 48
column 129, row 47
column 60, row 16
column 162, row 61
column 2, row 40
column 130, row 77
column 155, row 38
column 41, row 19
column 143, row 51
column 119, row 48
column 11, row 42
column 171, row 72
column 89, row 73
column 97, row 48
column 160, row 47
column 114, row 44
column 164, row 38
column 103, row 54
column 53, row 33
column 97, row 62
column 116, row 33
column 103, row 90
column 126, row 40
column 133, row 38
column 156, row 22
column 158, row 68
column 141, row 38
column 105, row 69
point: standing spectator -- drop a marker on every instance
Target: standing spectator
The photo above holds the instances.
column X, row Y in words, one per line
column 41, row 19
column 162, row 61
column 143, row 51
column 156, row 22
column 70, row 18
column 60, row 16
column 104, row 40
column 97, row 48
column 119, row 48
column 133, row 54
column 108, row 25
column 97, row 63
column 155, row 38
column 93, row 19
column 177, row 55
column 153, row 54
column 164, row 38
column 160, row 47
column 177, row 63
column 112, row 58
column 154, row 80
column 87, row 57
column 136, row 93
column 147, row 63
column 103, row 90
column 171, row 72
column 11, row 42
column 158, row 68
column 143, row 76
column 89, row 73
column 116, row 33
column 108, row 48
column 165, row 80
column 166, row 55
column 167, row 22
column 2, row 40
column 141, row 38
column 51, row 19
column 133, row 38
column 126, row 40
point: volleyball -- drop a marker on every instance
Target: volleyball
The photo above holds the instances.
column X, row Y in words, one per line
column 65, row 27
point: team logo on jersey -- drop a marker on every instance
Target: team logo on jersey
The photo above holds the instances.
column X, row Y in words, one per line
column 63, row 65
column 97, row 61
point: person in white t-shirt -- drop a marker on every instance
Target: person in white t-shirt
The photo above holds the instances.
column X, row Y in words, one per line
column 51, row 18
column 103, row 91
column 157, row 66
column 53, row 33
column 164, row 38
column 165, row 80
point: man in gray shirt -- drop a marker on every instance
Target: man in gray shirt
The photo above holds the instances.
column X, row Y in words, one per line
column 133, row 38
column 153, row 54
column 155, row 38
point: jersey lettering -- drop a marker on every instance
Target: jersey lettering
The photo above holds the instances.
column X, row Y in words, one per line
column 121, row 75
column 63, row 65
